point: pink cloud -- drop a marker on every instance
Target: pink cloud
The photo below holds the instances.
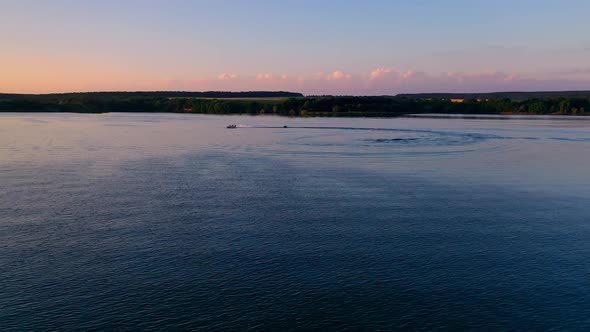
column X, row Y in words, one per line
column 391, row 74
column 380, row 72
column 276, row 79
column 391, row 81
column 338, row 75
column 261, row 77
column 226, row 76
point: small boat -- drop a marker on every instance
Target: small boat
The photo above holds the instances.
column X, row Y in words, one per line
column 232, row 126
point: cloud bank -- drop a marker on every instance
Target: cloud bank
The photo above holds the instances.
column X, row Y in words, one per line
column 379, row 81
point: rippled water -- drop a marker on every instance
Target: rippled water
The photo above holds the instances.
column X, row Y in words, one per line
column 159, row 221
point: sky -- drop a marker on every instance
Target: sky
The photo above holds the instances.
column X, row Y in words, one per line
column 315, row 47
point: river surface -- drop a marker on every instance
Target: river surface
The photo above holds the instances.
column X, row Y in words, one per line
column 172, row 221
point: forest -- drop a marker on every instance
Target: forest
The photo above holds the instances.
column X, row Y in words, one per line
column 288, row 103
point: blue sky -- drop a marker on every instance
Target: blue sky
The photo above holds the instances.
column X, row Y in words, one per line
column 314, row 46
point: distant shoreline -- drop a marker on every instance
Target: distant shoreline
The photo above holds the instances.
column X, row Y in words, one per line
column 293, row 104
column 450, row 116
column 500, row 116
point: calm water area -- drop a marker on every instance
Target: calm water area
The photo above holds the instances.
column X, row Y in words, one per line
column 171, row 221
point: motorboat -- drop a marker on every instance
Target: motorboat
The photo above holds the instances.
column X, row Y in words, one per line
column 231, row 126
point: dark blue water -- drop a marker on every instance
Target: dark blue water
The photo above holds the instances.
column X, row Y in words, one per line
column 125, row 222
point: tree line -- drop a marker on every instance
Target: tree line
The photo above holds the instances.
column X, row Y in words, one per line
column 370, row 106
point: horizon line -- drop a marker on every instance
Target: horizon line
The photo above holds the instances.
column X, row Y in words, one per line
column 291, row 92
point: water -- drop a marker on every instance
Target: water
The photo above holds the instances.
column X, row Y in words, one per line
column 159, row 221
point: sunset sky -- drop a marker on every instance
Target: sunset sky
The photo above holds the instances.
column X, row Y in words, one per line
column 314, row 47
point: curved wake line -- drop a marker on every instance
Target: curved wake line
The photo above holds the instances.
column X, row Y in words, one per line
column 308, row 127
column 422, row 131
column 340, row 128
column 471, row 135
